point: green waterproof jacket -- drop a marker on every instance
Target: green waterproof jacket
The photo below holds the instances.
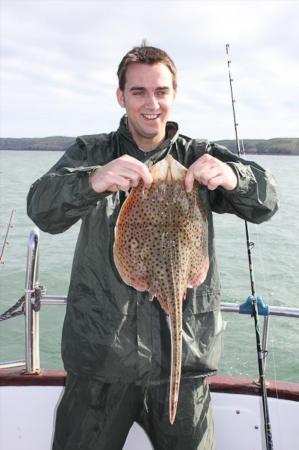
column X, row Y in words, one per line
column 111, row 331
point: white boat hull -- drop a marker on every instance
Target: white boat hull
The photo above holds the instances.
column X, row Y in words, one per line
column 27, row 420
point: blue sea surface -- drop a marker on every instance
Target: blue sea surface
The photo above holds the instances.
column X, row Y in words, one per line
column 275, row 258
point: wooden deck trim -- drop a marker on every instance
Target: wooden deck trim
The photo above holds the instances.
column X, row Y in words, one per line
column 235, row 385
column 225, row 384
column 18, row 377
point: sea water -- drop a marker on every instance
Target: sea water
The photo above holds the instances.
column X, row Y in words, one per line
column 275, row 258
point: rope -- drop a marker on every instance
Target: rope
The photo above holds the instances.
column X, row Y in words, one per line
column 18, row 308
column 12, row 311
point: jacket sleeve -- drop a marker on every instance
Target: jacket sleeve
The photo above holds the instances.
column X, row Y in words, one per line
column 62, row 196
column 255, row 198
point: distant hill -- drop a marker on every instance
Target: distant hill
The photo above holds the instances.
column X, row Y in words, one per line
column 52, row 143
column 276, row 146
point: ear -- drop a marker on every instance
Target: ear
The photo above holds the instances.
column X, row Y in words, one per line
column 120, row 97
column 174, row 95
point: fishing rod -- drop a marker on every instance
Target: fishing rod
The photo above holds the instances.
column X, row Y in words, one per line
column 254, row 314
column 5, row 242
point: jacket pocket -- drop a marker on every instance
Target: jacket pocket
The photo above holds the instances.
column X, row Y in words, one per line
column 202, row 343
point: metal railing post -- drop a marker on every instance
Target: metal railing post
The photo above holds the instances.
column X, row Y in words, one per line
column 31, row 316
column 265, row 340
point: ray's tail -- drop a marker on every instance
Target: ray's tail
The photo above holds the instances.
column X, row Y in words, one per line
column 176, row 358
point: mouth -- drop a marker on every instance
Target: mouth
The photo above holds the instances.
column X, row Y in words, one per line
column 150, row 116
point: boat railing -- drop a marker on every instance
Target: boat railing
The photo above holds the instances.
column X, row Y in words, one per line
column 35, row 297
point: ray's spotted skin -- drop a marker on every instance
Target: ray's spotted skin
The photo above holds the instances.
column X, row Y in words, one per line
column 161, row 246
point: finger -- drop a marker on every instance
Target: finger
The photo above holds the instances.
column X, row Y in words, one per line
column 196, row 171
column 135, row 182
column 206, row 174
column 113, row 188
column 119, row 183
column 222, row 176
column 133, row 176
column 136, row 170
column 146, row 176
column 215, row 182
column 125, row 185
column 189, row 180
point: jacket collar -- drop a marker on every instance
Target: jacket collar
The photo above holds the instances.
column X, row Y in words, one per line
column 172, row 132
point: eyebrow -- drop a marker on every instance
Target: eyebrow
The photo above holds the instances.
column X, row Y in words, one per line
column 140, row 88
column 137, row 88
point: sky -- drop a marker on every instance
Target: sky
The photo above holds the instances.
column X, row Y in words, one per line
column 59, row 60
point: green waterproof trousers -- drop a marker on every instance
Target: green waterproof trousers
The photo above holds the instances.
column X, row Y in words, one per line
column 98, row 416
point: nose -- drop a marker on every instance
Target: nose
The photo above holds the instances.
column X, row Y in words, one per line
column 152, row 102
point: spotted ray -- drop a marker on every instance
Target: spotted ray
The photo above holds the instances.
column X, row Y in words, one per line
column 161, row 246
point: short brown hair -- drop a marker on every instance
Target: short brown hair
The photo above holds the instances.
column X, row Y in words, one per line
column 145, row 55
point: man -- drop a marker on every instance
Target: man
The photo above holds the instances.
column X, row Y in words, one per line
column 116, row 344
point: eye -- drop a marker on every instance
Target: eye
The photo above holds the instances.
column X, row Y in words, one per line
column 162, row 93
column 137, row 92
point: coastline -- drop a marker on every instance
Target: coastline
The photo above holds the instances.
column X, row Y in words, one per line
column 274, row 146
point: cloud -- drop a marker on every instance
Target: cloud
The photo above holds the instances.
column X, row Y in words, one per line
column 59, row 61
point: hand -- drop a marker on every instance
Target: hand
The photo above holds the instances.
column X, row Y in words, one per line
column 212, row 173
column 120, row 175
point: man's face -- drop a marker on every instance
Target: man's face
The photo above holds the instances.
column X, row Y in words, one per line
column 148, row 97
